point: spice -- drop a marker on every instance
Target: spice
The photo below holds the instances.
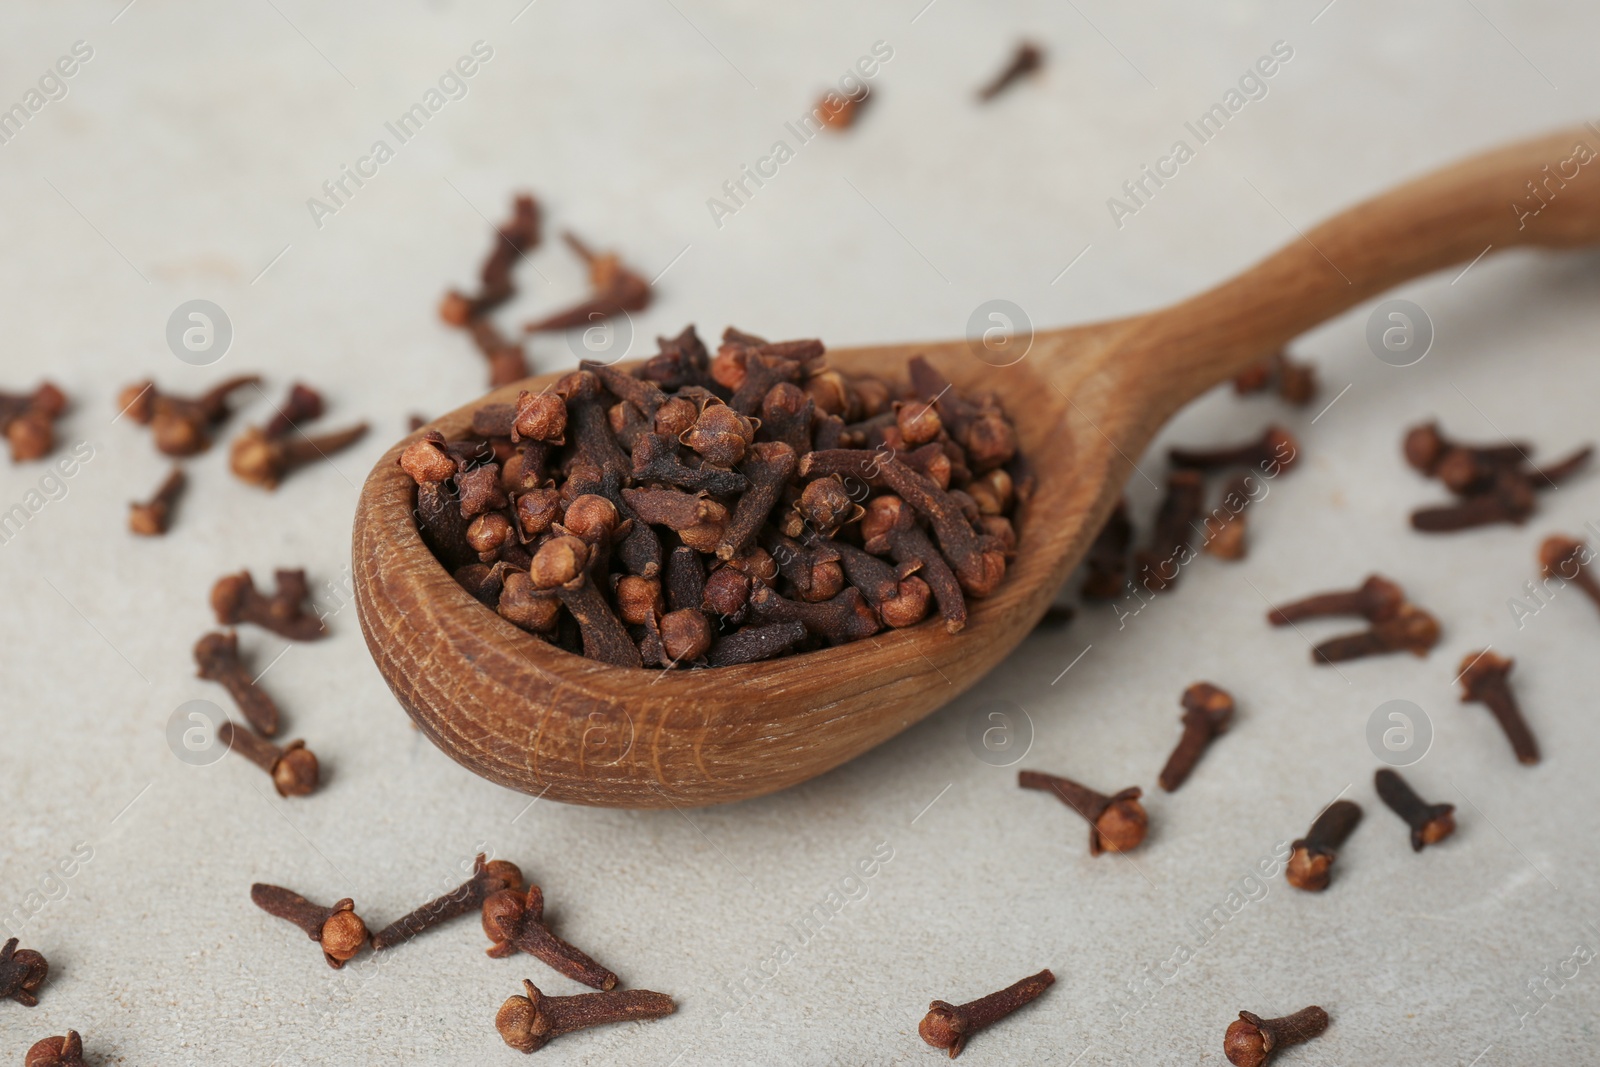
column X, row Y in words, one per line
column 235, row 600
column 1294, row 382
column 515, row 921
column 595, row 515
column 1274, row 452
column 530, row 1022
column 1226, row 540
column 338, row 929
column 1410, row 630
column 1106, row 563
column 513, row 240
column 1310, row 864
column 838, row 111
column 1377, row 599
column 1568, row 559
column 950, row 1026
column 217, row 655
column 28, row 420
column 181, row 425
column 1485, row 679
column 614, row 289
column 1027, row 59
column 303, row 404
column 1207, row 712
column 1116, row 823
column 64, row 1051
column 1160, row 564
column 1426, row 447
column 1509, row 499
column 152, row 517
column 260, row 460
column 488, row 877
column 1495, row 483
column 1430, row 823
column 1251, row 1040
column 22, row 972
column 293, row 767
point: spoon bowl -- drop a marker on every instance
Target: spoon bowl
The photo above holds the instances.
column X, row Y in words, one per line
column 1086, row 401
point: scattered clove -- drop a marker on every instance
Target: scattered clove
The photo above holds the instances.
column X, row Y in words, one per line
column 614, row 289
column 22, row 972
column 260, row 460
column 28, row 420
column 530, row 1022
column 515, row 921
column 338, row 929
column 64, row 1051
column 1430, row 823
column 513, row 240
column 303, row 404
column 217, row 655
column 1294, row 382
column 488, row 877
column 1568, row 559
column 1376, row 600
column 1207, row 713
column 1226, row 539
column 1106, row 564
column 1274, row 452
column 181, row 425
column 1027, row 59
column 1411, row 630
column 152, row 517
column 1509, row 499
column 1116, row 823
column 1485, row 679
column 293, row 767
column 1162, row 562
column 235, row 600
column 950, row 1026
column 1310, row 864
column 1251, row 1040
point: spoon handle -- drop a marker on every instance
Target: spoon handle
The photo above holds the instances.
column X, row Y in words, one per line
column 1543, row 192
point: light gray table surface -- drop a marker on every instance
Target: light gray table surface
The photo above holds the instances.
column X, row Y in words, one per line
column 178, row 165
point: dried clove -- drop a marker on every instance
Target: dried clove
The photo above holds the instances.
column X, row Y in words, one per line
column 1161, row 564
column 1251, row 1040
column 530, row 1022
column 152, row 517
column 1376, row 600
column 1568, row 559
column 1226, row 540
column 293, row 767
column 1425, row 447
column 488, row 877
column 1274, row 452
column 515, row 922
column 217, row 655
column 22, row 972
column 181, row 425
column 338, row 929
column 950, row 1026
column 513, row 240
column 1509, row 499
column 1106, row 563
column 1207, row 713
column 1294, row 382
column 235, row 600
column 260, row 460
column 303, row 404
column 1027, row 59
column 28, row 420
column 1310, row 864
column 1430, row 823
column 1485, row 679
column 66, row 1051
column 753, row 643
column 1116, row 823
column 1410, row 630
column 614, row 289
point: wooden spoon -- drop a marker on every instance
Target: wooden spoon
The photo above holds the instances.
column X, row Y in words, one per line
column 1086, row 402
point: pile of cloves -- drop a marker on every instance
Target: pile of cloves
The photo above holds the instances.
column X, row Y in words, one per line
column 1492, row 483
column 236, row 601
column 714, row 510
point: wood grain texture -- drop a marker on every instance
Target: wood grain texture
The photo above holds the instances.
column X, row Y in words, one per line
column 1086, row 402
